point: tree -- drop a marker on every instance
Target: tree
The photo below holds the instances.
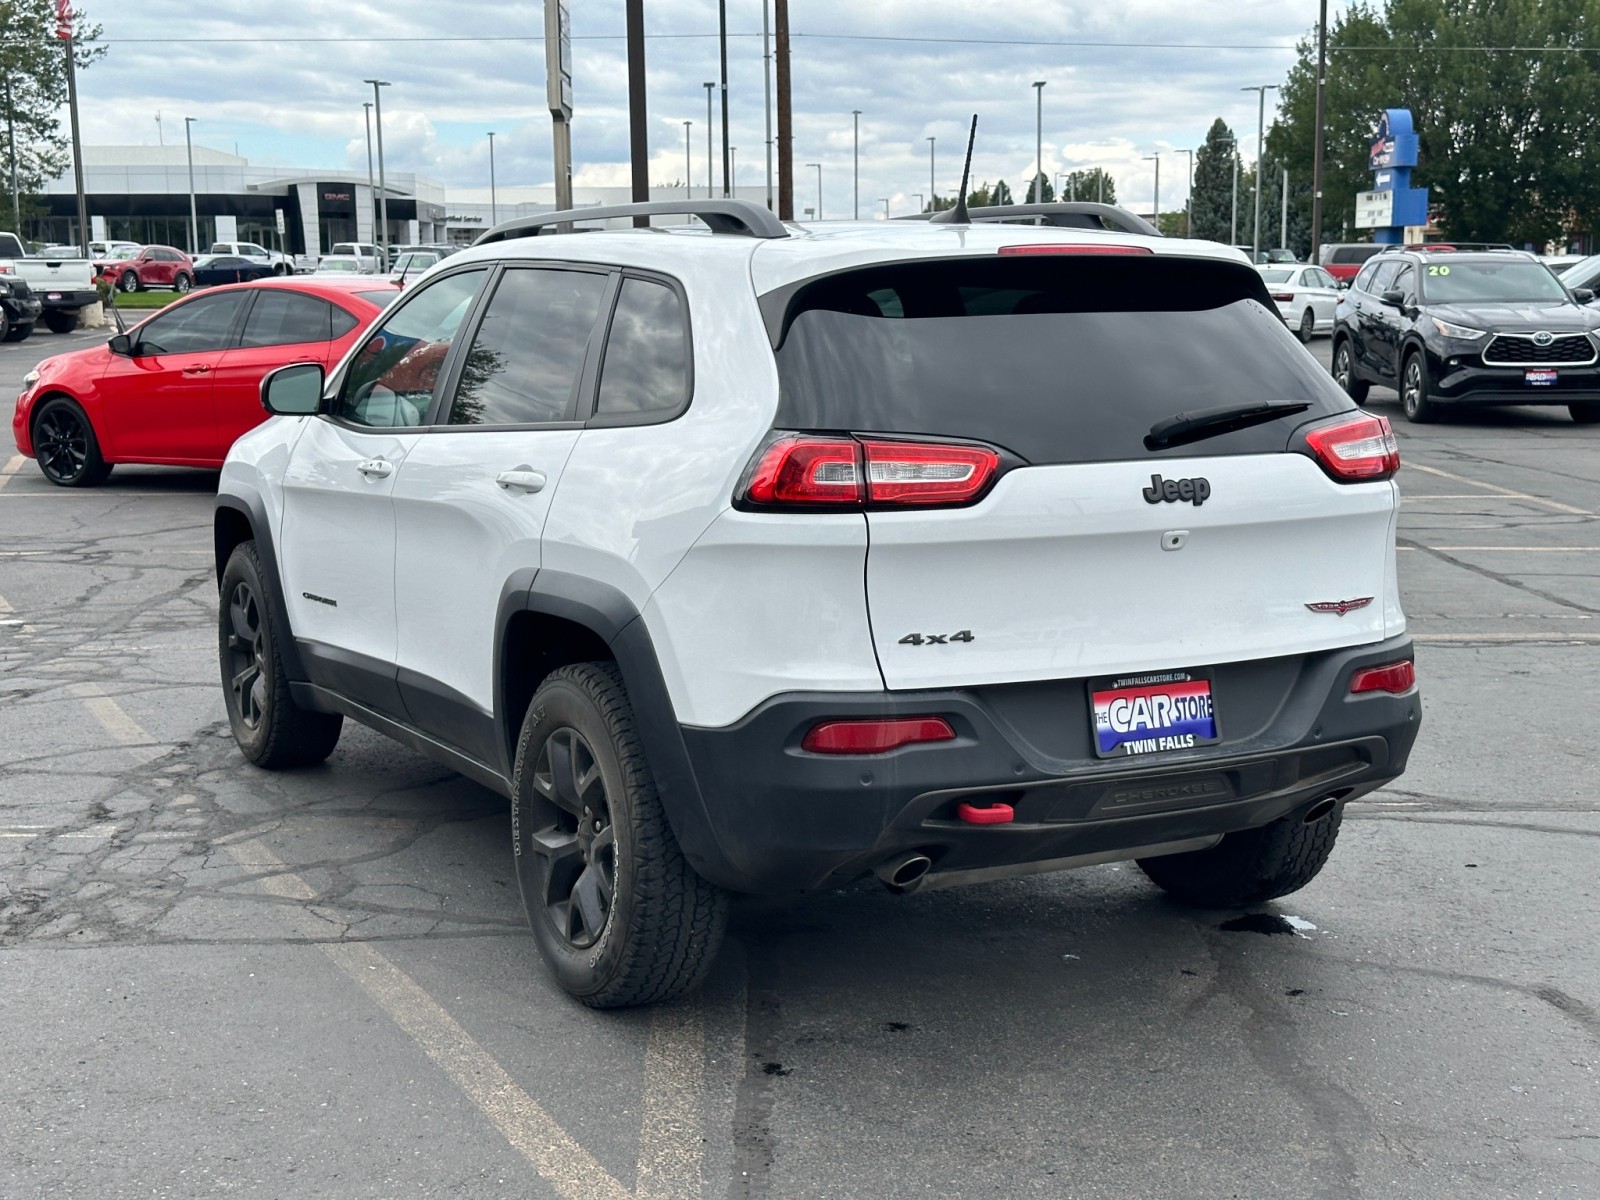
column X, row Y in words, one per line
column 1212, row 198
column 1089, row 185
column 35, row 90
column 1039, row 189
column 1001, row 194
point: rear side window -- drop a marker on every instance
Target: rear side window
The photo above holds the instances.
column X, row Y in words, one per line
column 286, row 319
column 1057, row 359
column 525, row 361
column 646, row 369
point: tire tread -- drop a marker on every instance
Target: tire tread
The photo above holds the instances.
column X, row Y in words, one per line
column 1251, row 866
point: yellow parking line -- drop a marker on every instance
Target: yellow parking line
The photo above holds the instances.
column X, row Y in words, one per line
column 115, row 720
column 671, row 1134
column 1506, row 493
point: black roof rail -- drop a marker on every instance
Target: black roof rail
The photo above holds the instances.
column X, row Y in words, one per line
column 723, row 216
column 1070, row 214
column 1448, row 247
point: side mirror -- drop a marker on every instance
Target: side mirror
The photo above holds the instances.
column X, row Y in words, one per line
column 121, row 344
column 1342, row 284
column 293, row 391
column 1393, row 298
column 1583, row 295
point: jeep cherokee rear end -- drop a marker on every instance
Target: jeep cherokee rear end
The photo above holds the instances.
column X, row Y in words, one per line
column 1128, row 566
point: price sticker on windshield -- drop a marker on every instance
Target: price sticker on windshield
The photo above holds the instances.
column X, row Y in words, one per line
column 1438, row 270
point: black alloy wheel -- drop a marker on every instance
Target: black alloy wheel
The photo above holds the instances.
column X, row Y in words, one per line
column 128, row 281
column 574, row 836
column 1414, row 392
column 1344, row 373
column 5, row 325
column 65, row 446
column 245, row 661
column 1308, row 324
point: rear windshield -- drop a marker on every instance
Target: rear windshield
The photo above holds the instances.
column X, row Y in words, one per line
column 1276, row 275
column 1057, row 359
column 1353, row 254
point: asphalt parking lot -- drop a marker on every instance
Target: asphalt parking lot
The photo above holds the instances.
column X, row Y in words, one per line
column 218, row 981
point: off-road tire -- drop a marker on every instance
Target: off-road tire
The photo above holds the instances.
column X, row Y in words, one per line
column 19, row 333
column 1249, row 867
column 1344, row 372
column 65, row 446
column 1585, row 414
column 271, row 729
column 662, row 924
column 1414, row 400
column 61, row 320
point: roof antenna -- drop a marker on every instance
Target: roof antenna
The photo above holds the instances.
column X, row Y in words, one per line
column 958, row 214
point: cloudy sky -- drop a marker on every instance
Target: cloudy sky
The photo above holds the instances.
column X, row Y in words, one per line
column 282, row 84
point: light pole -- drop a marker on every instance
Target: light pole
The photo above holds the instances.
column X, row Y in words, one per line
column 884, row 200
column 932, row 191
column 688, row 165
column 1261, row 91
column 494, row 209
column 818, row 166
column 733, row 170
column 372, row 191
column 1233, row 224
column 1038, row 141
column 1284, row 230
column 383, row 194
column 710, row 151
column 1188, row 205
column 855, row 116
column 920, row 204
column 194, row 221
column 1156, row 158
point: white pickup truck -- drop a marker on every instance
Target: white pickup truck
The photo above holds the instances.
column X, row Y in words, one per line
column 61, row 285
column 280, row 263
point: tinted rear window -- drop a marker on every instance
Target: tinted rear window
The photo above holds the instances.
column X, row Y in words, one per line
column 1055, row 359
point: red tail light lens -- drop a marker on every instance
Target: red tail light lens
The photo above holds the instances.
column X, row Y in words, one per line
column 1090, row 250
column 927, row 472
column 807, row 472
column 1393, row 677
column 875, row 736
column 1356, row 451
column 1283, row 297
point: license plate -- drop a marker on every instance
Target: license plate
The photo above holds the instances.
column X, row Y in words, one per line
column 1152, row 714
column 55, row 295
column 1539, row 378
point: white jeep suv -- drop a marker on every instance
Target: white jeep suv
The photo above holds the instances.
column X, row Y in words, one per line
column 758, row 557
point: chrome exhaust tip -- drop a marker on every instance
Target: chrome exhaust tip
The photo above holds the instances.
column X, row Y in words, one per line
column 904, row 874
column 1320, row 809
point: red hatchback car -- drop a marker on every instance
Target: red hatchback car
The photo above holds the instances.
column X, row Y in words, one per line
column 147, row 267
column 179, row 388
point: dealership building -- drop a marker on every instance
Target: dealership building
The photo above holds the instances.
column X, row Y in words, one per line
column 141, row 194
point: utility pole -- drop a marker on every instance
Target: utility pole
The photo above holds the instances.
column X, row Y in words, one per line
column 727, row 155
column 11, row 132
column 780, row 21
column 383, row 189
column 933, row 193
column 558, row 96
column 494, row 208
column 766, row 70
column 709, row 127
column 855, row 114
column 1156, row 158
column 372, row 191
column 64, row 32
column 1261, row 91
column 194, row 221
column 1316, row 156
column 638, row 113
column 1188, row 206
column 1038, row 142
column 688, row 165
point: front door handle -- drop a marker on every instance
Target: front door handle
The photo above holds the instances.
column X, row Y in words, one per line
column 375, row 468
column 522, row 479
column 199, row 370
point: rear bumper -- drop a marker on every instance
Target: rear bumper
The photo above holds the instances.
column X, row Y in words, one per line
column 67, row 298
column 784, row 820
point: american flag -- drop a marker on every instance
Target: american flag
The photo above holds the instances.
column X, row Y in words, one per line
column 63, row 19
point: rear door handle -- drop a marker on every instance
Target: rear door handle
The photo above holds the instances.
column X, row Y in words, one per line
column 375, row 468
column 522, row 479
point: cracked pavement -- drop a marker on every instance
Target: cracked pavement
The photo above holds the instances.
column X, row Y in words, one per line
column 215, row 979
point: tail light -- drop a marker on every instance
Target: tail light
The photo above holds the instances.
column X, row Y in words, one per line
column 806, row 471
column 1362, row 450
column 1089, row 250
column 1394, row 677
column 1283, row 297
column 875, row 735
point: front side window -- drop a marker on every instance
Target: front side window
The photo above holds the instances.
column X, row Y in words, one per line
column 647, row 352
column 192, row 328
column 390, row 381
column 1406, row 283
column 526, row 359
column 285, row 319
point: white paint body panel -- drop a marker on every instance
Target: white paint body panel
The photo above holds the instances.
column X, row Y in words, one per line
column 1060, row 572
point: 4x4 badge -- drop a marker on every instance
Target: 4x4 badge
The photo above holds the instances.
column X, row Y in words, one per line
column 1339, row 607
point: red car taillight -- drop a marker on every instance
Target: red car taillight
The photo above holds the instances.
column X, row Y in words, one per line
column 1361, row 450
column 806, row 471
column 1393, row 677
column 875, row 735
column 1094, row 250
column 1283, row 297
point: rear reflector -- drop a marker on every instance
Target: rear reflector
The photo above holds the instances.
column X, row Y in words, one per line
column 1058, row 248
column 1394, row 677
column 802, row 471
column 1356, row 451
column 875, row 736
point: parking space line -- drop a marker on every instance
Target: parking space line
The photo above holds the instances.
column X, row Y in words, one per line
column 13, row 465
column 1563, row 637
column 1512, row 549
column 671, row 1135
column 114, row 720
column 1506, row 493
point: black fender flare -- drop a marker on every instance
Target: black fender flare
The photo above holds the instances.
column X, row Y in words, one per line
column 247, row 502
column 612, row 616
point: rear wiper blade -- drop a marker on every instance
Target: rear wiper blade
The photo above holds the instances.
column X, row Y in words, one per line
column 1184, row 428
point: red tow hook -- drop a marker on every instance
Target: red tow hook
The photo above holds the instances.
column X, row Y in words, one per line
column 987, row 814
